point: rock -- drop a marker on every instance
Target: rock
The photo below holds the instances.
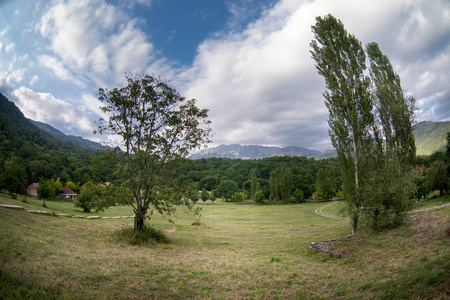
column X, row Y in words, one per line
column 197, row 223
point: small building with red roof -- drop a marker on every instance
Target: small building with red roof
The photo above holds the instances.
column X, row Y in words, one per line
column 32, row 189
column 68, row 194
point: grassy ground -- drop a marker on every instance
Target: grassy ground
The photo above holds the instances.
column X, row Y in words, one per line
column 245, row 251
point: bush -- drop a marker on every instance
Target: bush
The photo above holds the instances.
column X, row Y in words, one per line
column 239, row 196
column 147, row 235
column 259, row 197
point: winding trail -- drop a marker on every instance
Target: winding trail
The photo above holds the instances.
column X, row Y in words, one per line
column 321, row 213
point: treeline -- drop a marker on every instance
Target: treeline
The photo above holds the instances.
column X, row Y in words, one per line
column 28, row 154
column 277, row 177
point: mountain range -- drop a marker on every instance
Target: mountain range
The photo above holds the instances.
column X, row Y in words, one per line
column 430, row 137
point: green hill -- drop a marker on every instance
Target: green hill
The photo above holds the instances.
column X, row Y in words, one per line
column 431, row 137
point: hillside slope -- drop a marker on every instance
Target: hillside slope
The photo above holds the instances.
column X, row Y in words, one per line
column 431, row 137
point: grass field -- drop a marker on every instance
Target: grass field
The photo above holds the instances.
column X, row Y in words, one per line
column 245, row 251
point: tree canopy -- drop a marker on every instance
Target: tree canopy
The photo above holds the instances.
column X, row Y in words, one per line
column 158, row 128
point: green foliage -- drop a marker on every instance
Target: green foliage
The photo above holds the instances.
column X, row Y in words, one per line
column 146, row 235
column 212, row 197
column 431, row 137
column 437, row 177
column 340, row 59
column 298, row 196
column 259, row 197
column 281, row 184
column 326, row 187
column 204, row 195
column 74, row 186
column 227, row 189
column 159, row 128
column 93, row 196
column 239, row 196
column 28, row 154
column 371, row 128
column 49, row 189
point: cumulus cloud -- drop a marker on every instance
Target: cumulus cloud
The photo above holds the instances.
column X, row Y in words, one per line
column 44, row 107
column 261, row 85
column 95, row 39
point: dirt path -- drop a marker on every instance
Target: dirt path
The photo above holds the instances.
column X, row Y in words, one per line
column 321, row 213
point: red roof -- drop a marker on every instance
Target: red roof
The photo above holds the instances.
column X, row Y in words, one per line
column 68, row 191
column 33, row 186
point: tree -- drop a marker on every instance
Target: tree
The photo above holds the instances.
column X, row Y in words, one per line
column 391, row 173
column 340, row 59
column 253, row 184
column 158, row 128
column 326, row 182
column 299, row 196
column 49, row 189
column 204, row 195
column 212, row 197
column 436, row 177
column 281, row 184
column 227, row 188
column 92, row 197
column 259, row 197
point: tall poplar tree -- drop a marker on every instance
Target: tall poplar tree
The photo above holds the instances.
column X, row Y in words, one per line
column 394, row 149
column 340, row 59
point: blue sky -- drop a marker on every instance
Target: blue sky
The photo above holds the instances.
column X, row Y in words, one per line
column 247, row 61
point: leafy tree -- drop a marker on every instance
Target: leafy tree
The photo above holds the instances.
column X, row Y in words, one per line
column 13, row 177
column 253, row 184
column 298, row 196
column 326, row 183
column 340, row 59
column 281, row 184
column 49, row 189
column 212, row 197
column 158, row 128
column 204, row 195
column 436, row 177
column 239, row 196
column 227, row 189
column 259, row 197
column 394, row 149
column 91, row 197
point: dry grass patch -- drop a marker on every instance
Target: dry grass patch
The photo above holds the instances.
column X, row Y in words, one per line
column 244, row 251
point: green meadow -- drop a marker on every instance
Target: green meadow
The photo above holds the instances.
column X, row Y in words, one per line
column 245, row 251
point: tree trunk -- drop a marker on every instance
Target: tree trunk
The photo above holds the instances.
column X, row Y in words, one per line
column 139, row 217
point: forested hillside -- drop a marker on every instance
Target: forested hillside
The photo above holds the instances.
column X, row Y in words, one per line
column 28, row 154
column 431, row 137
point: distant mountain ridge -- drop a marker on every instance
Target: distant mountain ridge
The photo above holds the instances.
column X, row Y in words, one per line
column 252, row 152
column 76, row 140
column 430, row 137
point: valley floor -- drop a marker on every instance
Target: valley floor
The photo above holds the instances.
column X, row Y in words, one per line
column 245, row 251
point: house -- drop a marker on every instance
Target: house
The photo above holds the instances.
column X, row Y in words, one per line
column 68, row 194
column 32, row 189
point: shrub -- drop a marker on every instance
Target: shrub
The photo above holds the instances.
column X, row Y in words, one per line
column 146, row 235
column 259, row 197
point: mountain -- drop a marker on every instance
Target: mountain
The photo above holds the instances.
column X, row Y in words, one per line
column 76, row 140
column 431, row 137
column 252, row 152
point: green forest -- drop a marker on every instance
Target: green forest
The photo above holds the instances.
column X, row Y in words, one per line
column 29, row 154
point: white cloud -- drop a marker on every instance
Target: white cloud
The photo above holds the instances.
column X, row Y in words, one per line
column 261, row 85
column 94, row 39
column 44, row 107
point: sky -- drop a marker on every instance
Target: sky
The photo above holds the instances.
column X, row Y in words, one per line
column 247, row 61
